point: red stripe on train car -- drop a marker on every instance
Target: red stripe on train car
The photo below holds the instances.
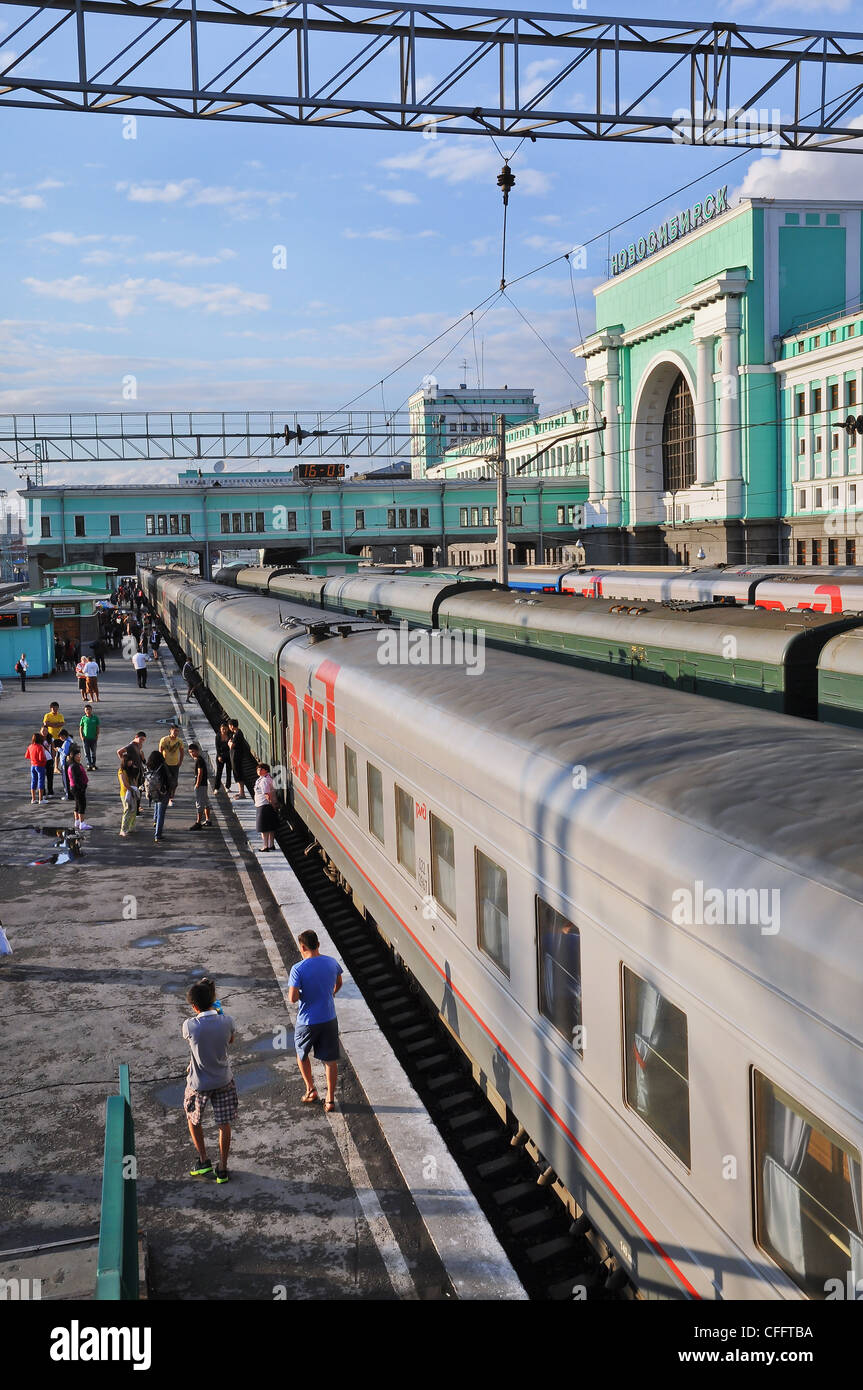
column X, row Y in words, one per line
column 540, row 1097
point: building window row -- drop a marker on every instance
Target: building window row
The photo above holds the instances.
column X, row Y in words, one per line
column 408, row 518
column 239, row 523
column 839, row 552
column 487, row 516
column 816, row 398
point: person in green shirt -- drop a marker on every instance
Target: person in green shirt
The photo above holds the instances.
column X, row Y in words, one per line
column 89, row 728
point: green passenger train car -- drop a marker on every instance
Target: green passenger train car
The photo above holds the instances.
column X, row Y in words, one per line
column 840, row 680
column 750, row 655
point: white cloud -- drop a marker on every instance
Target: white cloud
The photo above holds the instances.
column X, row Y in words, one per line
column 550, row 219
column 387, row 234
column 17, row 198
column 239, row 202
column 398, row 195
column 465, row 163
column 536, row 75
column 124, row 297
column 70, row 238
column 546, row 243
column 802, row 174
column 184, row 259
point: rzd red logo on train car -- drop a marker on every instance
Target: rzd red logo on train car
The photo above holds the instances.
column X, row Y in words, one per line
column 318, row 717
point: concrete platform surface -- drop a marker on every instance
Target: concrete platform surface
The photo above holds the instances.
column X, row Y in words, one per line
column 104, row 948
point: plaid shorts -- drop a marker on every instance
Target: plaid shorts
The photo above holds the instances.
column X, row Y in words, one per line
column 225, row 1100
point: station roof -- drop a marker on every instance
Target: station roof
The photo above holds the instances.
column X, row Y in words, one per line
column 58, row 595
column 82, row 567
column 333, row 556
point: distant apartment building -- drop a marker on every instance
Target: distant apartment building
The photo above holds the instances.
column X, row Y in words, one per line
column 442, row 418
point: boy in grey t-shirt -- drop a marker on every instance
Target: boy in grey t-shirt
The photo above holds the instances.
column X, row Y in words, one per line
column 209, row 1077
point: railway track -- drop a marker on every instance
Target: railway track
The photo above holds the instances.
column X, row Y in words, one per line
column 556, row 1257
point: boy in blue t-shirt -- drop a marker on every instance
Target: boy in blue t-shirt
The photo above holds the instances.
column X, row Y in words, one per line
column 313, row 984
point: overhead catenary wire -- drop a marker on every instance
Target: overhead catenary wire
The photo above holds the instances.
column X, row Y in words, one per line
column 750, row 148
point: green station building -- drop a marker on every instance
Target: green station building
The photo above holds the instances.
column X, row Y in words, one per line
column 726, row 358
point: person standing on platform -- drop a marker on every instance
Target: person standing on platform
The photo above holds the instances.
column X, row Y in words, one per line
column 89, row 731
column 78, row 780
column 81, row 673
column 172, row 750
column 64, row 757
column 314, row 983
column 202, row 795
column 157, row 784
column 53, row 720
column 192, row 679
column 127, row 776
column 21, row 667
column 266, row 808
column 223, row 757
column 209, row 1078
column 155, row 642
column 134, row 752
column 99, row 653
column 36, row 757
column 91, row 672
column 141, row 661
column 239, row 753
column 48, row 745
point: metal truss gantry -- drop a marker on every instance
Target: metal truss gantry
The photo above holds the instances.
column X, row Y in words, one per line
column 28, row 442
column 363, row 64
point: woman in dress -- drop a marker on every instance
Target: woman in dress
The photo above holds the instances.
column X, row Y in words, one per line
column 266, row 808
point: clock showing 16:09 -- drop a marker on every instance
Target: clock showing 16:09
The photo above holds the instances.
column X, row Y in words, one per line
column 318, row 472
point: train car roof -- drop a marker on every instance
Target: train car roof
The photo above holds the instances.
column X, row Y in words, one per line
column 760, row 634
column 254, row 621
column 843, row 654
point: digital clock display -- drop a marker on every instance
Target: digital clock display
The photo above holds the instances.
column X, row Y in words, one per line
column 319, row 472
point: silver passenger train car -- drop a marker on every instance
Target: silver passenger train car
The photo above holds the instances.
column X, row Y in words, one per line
column 640, row 914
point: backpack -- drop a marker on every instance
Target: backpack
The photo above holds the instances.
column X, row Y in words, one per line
column 155, row 785
column 18, row 667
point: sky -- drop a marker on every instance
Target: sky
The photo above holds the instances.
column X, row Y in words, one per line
column 242, row 267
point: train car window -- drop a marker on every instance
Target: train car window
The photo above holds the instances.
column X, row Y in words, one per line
column 656, row 1048
column 332, row 764
column 807, row 1193
column 375, row 785
column 492, row 910
column 405, row 837
column 559, row 955
column 352, row 790
column 443, row 864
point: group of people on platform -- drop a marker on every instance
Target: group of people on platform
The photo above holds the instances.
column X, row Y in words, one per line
column 52, row 752
column 55, row 755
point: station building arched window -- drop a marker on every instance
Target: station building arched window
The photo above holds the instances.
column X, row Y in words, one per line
column 678, row 438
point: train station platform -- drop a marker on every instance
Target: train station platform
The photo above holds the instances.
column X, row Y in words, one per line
column 104, row 949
